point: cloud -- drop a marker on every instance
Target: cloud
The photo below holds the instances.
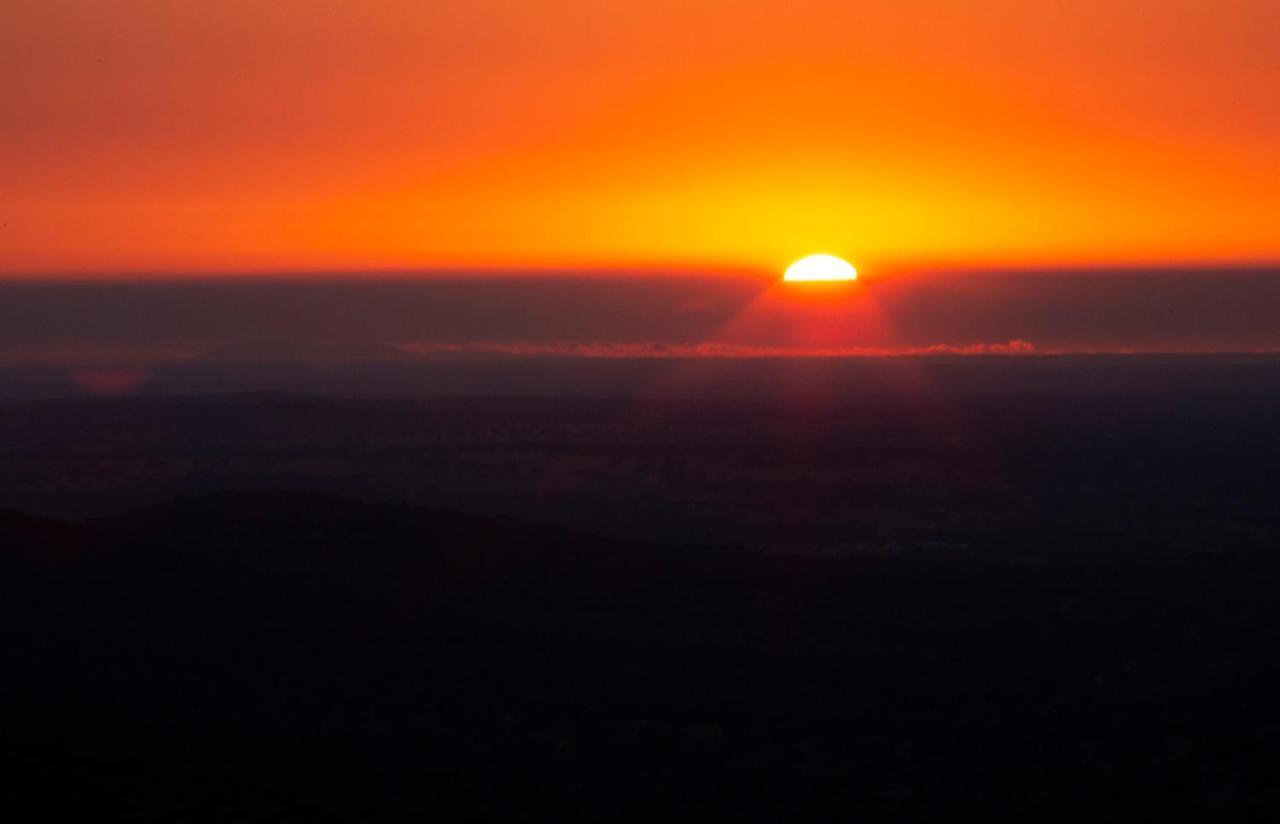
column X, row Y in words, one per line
column 655, row 349
column 1013, row 347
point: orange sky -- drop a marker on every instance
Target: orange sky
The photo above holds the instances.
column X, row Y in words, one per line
column 238, row 135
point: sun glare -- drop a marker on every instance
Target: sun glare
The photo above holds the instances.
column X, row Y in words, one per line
column 820, row 268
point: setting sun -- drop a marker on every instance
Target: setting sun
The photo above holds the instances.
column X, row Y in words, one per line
column 820, row 268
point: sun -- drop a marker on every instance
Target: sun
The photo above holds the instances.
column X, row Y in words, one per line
column 820, row 268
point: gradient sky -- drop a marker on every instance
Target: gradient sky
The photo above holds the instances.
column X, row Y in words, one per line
column 238, row 135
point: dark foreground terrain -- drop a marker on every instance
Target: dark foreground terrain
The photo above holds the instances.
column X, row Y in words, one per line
column 817, row 456
column 274, row 656
column 1033, row 593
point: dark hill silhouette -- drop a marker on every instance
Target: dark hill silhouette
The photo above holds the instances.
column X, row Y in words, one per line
column 270, row 655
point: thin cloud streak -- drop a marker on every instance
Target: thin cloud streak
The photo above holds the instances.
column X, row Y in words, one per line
column 656, row 349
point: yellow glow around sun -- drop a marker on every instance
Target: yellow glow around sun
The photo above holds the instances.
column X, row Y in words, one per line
column 820, row 268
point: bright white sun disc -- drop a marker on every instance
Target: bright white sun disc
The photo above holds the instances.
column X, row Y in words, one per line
column 820, row 268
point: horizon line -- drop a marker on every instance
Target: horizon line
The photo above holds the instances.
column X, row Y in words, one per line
column 608, row 272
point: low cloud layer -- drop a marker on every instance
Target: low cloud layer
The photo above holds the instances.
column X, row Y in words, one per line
column 129, row 325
